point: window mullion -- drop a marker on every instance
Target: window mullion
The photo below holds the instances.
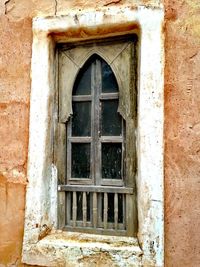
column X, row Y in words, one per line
column 97, row 88
column 92, row 161
column 69, row 149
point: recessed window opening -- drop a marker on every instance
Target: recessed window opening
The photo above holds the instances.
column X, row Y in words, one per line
column 96, row 189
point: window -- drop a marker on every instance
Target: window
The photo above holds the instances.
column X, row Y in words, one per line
column 97, row 172
column 43, row 243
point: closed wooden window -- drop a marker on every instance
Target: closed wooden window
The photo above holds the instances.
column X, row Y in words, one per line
column 95, row 148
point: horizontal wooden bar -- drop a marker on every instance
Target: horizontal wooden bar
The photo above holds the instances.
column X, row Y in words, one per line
column 80, row 225
column 89, row 230
column 82, row 139
column 108, row 96
column 112, row 182
column 97, row 189
column 80, row 181
column 111, row 232
column 121, row 226
column 111, row 139
column 81, row 98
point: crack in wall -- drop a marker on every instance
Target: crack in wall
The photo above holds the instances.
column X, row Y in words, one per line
column 112, row 2
column 6, row 3
column 56, row 6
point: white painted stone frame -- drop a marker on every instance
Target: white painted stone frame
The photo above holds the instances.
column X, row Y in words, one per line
column 55, row 249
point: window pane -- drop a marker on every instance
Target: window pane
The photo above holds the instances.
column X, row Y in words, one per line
column 80, row 160
column 111, row 119
column 82, row 84
column 109, row 83
column 81, row 119
column 111, row 160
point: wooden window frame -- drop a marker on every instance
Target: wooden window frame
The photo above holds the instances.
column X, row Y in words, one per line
column 124, row 45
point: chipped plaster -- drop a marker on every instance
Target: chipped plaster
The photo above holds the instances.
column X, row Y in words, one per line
column 40, row 189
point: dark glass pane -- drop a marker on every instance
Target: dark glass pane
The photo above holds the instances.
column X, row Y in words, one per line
column 79, row 197
column 81, row 119
column 120, row 208
column 82, row 84
column 109, row 83
column 80, row 160
column 111, row 160
column 111, row 119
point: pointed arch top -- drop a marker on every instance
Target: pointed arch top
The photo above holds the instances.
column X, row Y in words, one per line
column 83, row 80
column 118, row 55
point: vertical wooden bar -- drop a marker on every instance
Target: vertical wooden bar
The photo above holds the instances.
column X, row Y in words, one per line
column 95, row 210
column 116, row 210
column 69, row 150
column 93, row 121
column 99, row 205
column 74, row 209
column 124, row 204
column 131, row 222
column 105, row 211
column 60, row 161
column 68, row 208
column 84, row 209
column 97, row 114
column 123, row 162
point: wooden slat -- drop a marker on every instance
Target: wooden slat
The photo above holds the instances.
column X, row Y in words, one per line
column 108, row 96
column 94, row 210
column 99, row 206
column 60, row 161
column 80, row 98
column 82, row 139
column 112, row 232
column 80, row 181
column 111, row 139
column 116, row 210
column 105, row 211
column 74, row 209
column 97, row 189
column 84, row 209
column 131, row 221
column 68, row 207
column 114, row 182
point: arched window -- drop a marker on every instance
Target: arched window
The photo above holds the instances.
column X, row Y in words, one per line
column 99, row 194
column 95, row 132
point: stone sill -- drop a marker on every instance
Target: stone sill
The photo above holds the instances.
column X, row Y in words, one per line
column 78, row 249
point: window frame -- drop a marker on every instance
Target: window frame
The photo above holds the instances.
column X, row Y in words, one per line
column 126, row 187
column 40, row 215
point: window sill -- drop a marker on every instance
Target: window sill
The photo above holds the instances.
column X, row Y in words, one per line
column 71, row 249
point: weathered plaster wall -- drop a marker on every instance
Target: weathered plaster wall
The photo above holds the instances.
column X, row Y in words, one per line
column 182, row 126
column 182, row 132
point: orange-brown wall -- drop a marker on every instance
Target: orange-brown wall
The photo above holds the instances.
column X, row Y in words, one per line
column 182, row 133
column 182, row 123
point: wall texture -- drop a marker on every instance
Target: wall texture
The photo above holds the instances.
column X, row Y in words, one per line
column 182, row 122
column 182, row 133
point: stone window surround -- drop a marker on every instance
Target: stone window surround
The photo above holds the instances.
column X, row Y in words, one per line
column 43, row 244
